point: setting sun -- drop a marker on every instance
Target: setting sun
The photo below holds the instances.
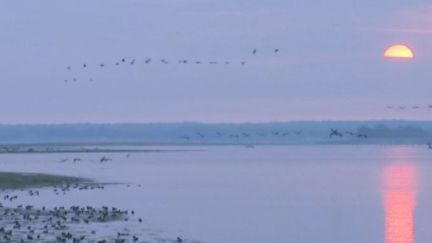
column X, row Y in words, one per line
column 399, row 51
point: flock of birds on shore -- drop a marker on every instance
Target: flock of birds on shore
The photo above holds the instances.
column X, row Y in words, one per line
column 147, row 61
column 60, row 224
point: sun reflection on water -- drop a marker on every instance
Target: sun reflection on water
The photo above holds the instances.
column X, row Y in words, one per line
column 400, row 189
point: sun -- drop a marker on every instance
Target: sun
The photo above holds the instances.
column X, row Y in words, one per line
column 399, row 51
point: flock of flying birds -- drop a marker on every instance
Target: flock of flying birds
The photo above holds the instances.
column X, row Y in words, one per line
column 412, row 107
column 149, row 60
column 273, row 134
column 240, row 135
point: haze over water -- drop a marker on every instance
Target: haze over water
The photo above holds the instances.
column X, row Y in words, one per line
column 267, row 194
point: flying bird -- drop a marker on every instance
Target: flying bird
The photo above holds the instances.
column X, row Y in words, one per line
column 276, row 50
column 104, row 159
column 200, row 135
column 148, row 61
column 335, row 132
column 254, row 51
column 362, row 135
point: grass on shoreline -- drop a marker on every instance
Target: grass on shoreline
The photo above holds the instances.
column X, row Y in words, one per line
column 13, row 180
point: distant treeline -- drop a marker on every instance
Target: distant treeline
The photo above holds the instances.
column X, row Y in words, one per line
column 302, row 132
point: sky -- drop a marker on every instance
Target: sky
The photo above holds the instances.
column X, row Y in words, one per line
column 330, row 64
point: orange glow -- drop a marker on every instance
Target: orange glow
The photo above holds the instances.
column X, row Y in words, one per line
column 399, row 51
column 400, row 201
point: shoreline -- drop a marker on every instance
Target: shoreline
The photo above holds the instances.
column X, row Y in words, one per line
column 77, row 223
column 19, row 180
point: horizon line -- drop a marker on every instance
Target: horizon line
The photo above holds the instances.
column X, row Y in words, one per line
column 213, row 123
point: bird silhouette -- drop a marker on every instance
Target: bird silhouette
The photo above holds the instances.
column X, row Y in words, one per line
column 104, row 159
column 254, row 51
column 335, row 132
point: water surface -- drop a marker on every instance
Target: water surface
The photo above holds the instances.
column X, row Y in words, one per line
column 233, row 194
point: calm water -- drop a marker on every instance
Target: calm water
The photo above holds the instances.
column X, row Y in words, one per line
column 267, row 194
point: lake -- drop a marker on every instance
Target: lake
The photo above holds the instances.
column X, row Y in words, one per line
column 234, row 194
